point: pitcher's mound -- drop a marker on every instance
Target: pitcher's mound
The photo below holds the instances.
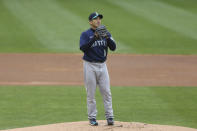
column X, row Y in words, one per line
column 119, row 126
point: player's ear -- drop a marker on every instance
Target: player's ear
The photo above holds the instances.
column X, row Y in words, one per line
column 90, row 22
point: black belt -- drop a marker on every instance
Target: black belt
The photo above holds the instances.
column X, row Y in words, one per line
column 95, row 61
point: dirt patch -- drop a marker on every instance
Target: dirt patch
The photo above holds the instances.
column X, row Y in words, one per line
column 125, row 70
column 119, row 126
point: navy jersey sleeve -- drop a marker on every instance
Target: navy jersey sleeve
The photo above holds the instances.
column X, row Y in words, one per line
column 111, row 43
column 85, row 43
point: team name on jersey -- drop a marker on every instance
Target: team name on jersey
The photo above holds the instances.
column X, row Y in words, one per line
column 99, row 43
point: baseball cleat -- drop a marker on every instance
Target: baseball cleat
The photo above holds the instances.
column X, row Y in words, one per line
column 110, row 121
column 93, row 122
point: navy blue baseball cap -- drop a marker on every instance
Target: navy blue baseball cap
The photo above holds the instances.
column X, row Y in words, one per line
column 94, row 16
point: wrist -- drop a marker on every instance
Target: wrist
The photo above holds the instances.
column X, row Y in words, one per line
column 107, row 37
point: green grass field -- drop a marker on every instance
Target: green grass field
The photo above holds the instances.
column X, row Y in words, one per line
column 139, row 27
column 26, row 106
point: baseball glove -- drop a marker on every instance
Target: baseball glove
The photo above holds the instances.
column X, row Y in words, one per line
column 102, row 32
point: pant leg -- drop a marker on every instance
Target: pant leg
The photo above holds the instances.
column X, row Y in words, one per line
column 90, row 85
column 104, row 86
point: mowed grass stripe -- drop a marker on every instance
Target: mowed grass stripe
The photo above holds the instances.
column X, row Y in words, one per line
column 59, row 31
column 182, row 101
column 166, row 15
column 112, row 19
column 142, row 104
column 56, row 28
column 189, row 5
column 140, row 35
column 35, row 105
column 14, row 35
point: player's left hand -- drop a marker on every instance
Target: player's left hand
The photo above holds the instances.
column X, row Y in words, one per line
column 102, row 32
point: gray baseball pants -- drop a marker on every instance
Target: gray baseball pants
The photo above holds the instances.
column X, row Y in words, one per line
column 97, row 74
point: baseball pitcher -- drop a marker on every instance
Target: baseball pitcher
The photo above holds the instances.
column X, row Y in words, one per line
column 94, row 43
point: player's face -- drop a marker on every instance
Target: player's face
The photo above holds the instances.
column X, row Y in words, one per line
column 95, row 22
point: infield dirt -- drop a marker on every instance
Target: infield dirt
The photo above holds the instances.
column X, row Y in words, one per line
column 124, row 70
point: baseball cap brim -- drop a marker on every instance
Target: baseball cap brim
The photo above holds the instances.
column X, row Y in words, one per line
column 96, row 16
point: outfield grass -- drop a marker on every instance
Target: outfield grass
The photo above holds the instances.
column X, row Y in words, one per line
column 140, row 27
column 35, row 105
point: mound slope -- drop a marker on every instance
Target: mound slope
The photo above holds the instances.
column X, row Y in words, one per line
column 119, row 126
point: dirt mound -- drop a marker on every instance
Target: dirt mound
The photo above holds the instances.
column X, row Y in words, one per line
column 119, row 126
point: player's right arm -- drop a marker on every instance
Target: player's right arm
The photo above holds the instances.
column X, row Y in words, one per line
column 85, row 43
